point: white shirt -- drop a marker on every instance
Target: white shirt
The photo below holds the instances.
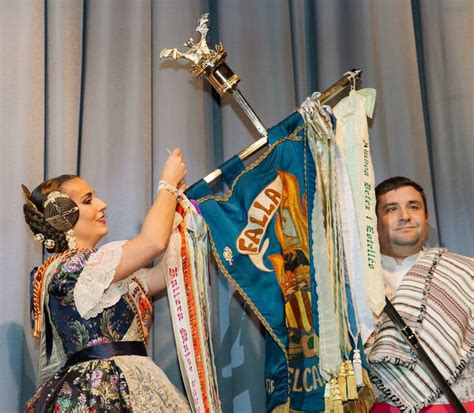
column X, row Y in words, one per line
column 394, row 272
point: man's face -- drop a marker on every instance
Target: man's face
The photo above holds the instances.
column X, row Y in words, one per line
column 402, row 222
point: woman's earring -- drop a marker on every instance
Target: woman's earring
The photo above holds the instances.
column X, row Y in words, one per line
column 71, row 239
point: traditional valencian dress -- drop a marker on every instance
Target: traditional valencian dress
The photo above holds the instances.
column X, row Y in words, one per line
column 92, row 338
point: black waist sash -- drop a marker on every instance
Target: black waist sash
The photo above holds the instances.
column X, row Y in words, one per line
column 100, row 352
column 105, row 351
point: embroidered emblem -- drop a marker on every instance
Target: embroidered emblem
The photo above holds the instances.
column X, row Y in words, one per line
column 228, row 256
column 270, row 386
column 259, row 215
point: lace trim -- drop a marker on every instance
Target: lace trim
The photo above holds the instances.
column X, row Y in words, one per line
column 115, row 291
column 94, row 290
column 150, row 389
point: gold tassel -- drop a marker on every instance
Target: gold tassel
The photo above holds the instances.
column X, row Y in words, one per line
column 328, row 402
column 358, row 369
column 366, row 397
column 336, row 397
column 350, row 381
column 341, row 380
column 282, row 408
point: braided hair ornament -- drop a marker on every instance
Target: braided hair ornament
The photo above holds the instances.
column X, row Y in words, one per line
column 60, row 215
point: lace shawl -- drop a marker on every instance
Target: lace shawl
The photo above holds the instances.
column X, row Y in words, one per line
column 94, row 290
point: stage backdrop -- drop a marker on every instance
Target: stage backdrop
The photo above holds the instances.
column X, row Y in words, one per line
column 82, row 90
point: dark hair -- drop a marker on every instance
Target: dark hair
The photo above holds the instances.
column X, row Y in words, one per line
column 397, row 182
column 35, row 215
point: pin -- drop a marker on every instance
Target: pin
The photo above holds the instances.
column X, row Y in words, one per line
column 168, row 149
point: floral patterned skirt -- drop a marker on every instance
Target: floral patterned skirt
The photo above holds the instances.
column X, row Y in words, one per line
column 118, row 384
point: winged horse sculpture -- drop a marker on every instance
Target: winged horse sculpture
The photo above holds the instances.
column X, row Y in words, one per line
column 196, row 50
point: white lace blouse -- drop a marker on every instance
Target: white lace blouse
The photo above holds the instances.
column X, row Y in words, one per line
column 94, row 290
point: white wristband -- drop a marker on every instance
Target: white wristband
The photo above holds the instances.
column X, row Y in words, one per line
column 169, row 187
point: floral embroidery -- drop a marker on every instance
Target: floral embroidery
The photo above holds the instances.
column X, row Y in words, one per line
column 96, row 378
column 97, row 385
column 98, row 342
column 75, row 263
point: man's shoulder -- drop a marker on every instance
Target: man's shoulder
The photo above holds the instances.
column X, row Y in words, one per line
column 458, row 257
column 461, row 262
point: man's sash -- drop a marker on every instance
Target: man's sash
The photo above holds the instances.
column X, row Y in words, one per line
column 435, row 301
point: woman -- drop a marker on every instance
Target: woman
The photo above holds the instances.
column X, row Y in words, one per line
column 91, row 306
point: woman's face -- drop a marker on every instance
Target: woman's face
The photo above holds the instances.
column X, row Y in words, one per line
column 91, row 225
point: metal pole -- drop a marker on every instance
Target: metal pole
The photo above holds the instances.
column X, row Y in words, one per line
column 326, row 95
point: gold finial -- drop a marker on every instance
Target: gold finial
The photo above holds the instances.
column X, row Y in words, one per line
column 206, row 62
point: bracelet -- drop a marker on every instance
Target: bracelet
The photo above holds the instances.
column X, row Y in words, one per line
column 169, row 187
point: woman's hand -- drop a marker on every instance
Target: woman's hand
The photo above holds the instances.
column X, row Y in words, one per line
column 156, row 230
column 174, row 169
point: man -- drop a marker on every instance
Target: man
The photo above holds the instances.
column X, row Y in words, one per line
column 402, row 224
column 432, row 289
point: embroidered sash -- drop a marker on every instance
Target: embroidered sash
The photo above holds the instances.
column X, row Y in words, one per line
column 186, row 275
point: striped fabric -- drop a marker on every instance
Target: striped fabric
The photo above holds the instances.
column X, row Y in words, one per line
column 436, row 301
column 435, row 408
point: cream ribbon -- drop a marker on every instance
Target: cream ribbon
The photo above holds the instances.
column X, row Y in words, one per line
column 354, row 256
column 352, row 136
column 322, row 243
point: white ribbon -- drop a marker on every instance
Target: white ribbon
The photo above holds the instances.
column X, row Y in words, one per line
column 352, row 135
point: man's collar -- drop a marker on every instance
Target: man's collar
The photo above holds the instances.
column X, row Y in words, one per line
column 390, row 264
